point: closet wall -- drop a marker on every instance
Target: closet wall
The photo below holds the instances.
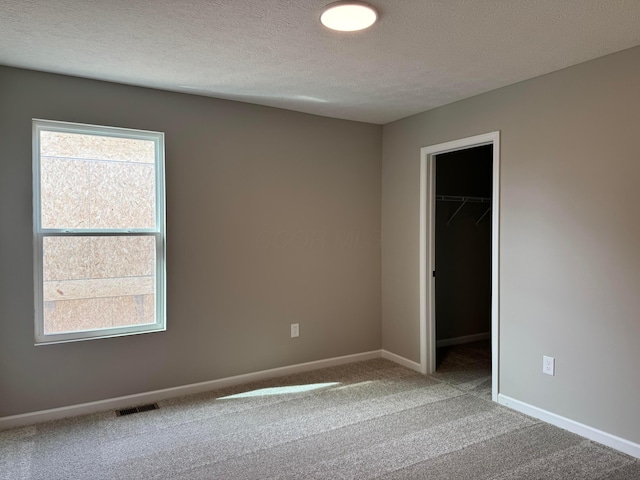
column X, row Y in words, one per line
column 463, row 247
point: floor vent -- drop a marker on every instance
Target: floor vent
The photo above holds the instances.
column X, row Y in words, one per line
column 131, row 410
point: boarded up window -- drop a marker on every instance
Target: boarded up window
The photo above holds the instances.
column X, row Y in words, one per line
column 99, row 224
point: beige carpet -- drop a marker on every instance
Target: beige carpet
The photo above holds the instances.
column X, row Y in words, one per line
column 366, row 420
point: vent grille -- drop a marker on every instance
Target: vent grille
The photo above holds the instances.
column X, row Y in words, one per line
column 140, row 408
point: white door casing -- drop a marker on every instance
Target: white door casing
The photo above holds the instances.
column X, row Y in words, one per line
column 427, row 251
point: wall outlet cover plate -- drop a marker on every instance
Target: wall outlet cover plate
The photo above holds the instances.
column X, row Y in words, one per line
column 548, row 365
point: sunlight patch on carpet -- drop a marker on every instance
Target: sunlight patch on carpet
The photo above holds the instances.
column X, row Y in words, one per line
column 290, row 389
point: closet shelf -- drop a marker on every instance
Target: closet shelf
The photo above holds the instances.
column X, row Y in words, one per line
column 457, row 198
column 464, row 200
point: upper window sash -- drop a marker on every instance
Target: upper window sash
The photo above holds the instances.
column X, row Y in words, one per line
column 40, row 126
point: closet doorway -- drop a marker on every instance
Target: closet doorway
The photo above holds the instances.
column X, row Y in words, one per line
column 459, row 284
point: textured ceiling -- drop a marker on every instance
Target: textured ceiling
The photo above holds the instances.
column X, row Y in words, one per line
column 421, row 54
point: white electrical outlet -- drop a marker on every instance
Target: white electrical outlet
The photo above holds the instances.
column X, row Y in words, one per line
column 295, row 330
column 548, row 365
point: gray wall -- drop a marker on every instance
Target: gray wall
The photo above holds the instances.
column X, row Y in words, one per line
column 273, row 217
column 570, row 234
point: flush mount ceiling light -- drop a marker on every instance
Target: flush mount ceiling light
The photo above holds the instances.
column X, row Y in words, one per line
column 348, row 16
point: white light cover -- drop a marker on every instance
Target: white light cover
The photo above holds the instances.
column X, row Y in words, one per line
column 349, row 16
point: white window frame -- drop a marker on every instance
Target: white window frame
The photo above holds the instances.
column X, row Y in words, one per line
column 40, row 233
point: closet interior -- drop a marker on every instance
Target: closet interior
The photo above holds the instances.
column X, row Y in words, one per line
column 463, row 260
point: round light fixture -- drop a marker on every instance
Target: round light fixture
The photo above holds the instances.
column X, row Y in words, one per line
column 348, row 16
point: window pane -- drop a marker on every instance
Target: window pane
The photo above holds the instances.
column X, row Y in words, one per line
column 96, row 182
column 98, row 282
column 91, row 147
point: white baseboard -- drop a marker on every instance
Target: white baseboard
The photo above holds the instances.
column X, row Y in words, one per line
column 405, row 362
column 586, row 431
column 157, row 395
column 466, row 339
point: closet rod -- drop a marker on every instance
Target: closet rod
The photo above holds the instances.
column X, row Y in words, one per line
column 457, row 198
column 464, row 200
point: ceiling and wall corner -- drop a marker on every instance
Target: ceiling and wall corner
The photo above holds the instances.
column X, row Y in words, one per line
column 419, row 55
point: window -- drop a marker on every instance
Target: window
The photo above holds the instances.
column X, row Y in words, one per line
column 99, row 233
